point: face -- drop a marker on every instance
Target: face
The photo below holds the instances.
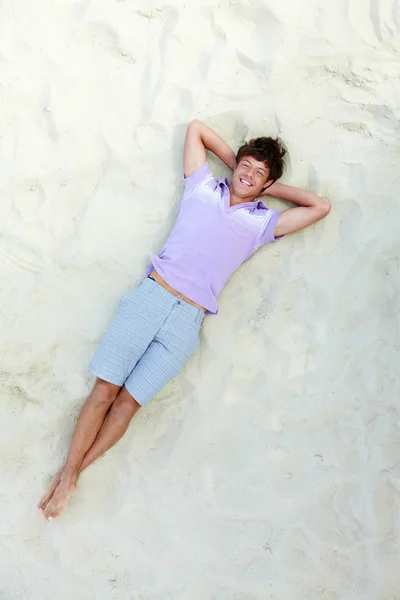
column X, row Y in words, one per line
column 249, row 178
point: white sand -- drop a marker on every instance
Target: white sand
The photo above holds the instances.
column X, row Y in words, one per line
column 269, row 468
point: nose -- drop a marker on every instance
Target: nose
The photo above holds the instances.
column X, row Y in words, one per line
column 249, row 173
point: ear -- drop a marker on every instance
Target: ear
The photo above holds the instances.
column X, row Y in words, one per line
column 268, row 184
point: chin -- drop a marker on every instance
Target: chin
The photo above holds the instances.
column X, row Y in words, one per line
column 242, row 192
column 249, row 195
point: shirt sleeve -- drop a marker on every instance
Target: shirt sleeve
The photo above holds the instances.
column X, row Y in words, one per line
column 267, row 231
column 202, row 173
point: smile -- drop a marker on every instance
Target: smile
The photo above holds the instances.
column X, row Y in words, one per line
column 245, row 182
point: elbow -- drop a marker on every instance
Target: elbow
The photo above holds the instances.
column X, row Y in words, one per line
column 195, row 124
column 195, row 128
column 325, row 207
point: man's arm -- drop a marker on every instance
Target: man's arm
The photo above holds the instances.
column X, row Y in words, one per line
column 310, row 208
column 200, row 138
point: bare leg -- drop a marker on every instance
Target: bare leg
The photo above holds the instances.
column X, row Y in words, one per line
column 90, row 420
column 114, row 426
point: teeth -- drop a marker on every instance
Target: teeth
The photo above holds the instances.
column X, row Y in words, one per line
column 245, row 182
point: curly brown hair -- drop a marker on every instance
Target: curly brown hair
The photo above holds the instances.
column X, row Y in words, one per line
column 268, row 150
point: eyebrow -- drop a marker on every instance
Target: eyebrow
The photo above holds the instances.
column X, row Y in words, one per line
column 259, row 168
column 262, row 169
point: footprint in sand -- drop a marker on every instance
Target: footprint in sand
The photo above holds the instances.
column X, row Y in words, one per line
column 375, row 19
column 385, row 18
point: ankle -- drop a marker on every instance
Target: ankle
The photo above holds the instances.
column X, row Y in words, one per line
column 69, row 472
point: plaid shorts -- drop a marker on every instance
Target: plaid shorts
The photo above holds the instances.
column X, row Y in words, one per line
column 149, row 340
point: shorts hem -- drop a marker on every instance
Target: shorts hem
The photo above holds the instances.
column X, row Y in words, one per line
column 139, row 400
column 100, row 375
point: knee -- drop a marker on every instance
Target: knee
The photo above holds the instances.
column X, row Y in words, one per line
column 124, row 409
column 104, row 393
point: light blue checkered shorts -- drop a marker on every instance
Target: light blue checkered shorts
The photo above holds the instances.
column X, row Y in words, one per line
column 149, row 340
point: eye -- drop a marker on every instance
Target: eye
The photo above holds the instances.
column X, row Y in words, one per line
column 260, row 173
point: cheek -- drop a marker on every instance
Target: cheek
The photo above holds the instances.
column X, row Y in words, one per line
column 239, row 177
column 260, row 183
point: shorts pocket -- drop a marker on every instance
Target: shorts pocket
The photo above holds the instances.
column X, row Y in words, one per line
column 139, row 294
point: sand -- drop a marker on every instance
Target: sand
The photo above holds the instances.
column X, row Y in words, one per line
column 269, row 468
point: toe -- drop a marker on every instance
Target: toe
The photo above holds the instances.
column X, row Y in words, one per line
column 44, row 500
column 48, row 515
column 48, row 498
column 49, row 510
column 57, row 513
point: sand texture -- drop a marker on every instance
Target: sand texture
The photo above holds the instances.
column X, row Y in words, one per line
column 269, row 469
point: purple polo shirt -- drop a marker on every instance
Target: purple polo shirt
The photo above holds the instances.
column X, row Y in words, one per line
column 211, row 239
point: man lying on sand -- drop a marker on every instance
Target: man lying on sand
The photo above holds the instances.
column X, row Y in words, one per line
column 157, row 325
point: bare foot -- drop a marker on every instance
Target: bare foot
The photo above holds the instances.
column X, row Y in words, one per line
column 63, row 491
column 48, row 495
